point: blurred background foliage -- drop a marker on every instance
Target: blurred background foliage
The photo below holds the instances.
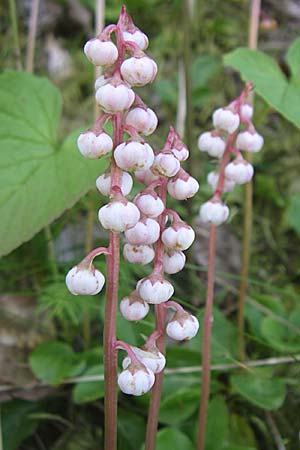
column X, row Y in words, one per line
column 48, row 336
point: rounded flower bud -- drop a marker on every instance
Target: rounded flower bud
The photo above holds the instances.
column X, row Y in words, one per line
column 101, row 53
column 213, row 145
column 226, row 120
column 154, row 360
column 214, row 212
column 182, row 326
column 138, row 254
column 174, row 261
column 181, row 153
column 94, row 146
column 146, row 176
column 113, row 99
column 136, row 379
column 239, row 171
column 251, row 142
column 84, row 281
column 134, row 156
column 213, row 178
column 165, row 164
column 149, row 204
column 182, row 186
column 103, row 183
column 138, row 71
column 146, row 231
column 247, row 111
column 119, row 216
column 143, row 120
column 154, row 290
column 133, row 308
column 138, row 37
column 179, row 236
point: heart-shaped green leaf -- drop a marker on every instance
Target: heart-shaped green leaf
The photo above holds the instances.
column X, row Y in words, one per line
column 270, row 82
column 40, row 176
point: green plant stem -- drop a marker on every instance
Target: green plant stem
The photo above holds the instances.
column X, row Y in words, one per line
column 206, row 348
column 248, row 207
column 15, row 32
column 33, row 22
column 110, row 322
column 51, row 252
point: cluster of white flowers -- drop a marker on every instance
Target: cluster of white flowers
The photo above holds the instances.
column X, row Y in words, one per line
column 151, row 230
column 234, row 132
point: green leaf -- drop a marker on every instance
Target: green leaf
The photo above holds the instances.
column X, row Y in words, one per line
column 217, row 424
column 53, row 361
column 16, row 423
column 269, row 81
column 240, row 433
column 172, row 439
column 293, row 213
column 179, row 406
column 293, row 58
column 131, row 430
column 280, row 337
column 267, row 393
column 89, row 391
column 40, row 177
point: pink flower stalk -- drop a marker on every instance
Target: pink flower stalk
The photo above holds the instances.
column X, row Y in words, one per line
column 234, row 132
column 143, row 219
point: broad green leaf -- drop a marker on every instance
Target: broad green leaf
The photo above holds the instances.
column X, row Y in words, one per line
column 88, row 391
column 16, row 423
column 267, row 393
column 131, row 430
column 293, row 59
column 179, row 406
column 40, row 176
column 53, row 361
column 172, row 439
column 217, row 424
column 280, row 337
column 293, row 213
column 269, row 81
column 241, row 435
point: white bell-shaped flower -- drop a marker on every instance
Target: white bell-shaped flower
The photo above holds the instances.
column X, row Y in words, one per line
column 103, row 183
column 136, row 379
column 214, row 212
column 119, row 216
column 93, row 146
column 133, row 308
column 225, row 119
column 138, row 254
column 143, row 120
column 154, row 290
column 134, row 156
column 138, row 71
column 84, row 281
column 101, row 53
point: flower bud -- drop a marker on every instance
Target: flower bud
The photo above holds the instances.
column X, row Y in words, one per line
column 251, row 142
column 138, row 254
column 101, row 53
column 213, row 178
column 174, row 261
column 181, row 153
column 94, row 146
column 138, row 71
column 143, row 120
column 133, row 308
column 165, row 164
column 119, row 216
column 145, row 232
column 113, row 99
column 213, row 145
column 247, row 111
column 179, row 236
column 149, row 203
column 214, row 212
column 154, row 290
column 134, row 156
column 101, row 81
column 138, row 37
column 84, row 281
column 182, row 326
column 136, row 379
column 226, row 120
column 154, row 360
column 103, row 183
column 146, row 176
column 239, row 171
column 182, row 186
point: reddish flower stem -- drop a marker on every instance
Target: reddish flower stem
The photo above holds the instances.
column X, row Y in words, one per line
column 160, row 314
column 110, row 322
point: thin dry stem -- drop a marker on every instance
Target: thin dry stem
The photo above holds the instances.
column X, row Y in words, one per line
column 248, row 204
column 33, row 22
column 15, row 32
